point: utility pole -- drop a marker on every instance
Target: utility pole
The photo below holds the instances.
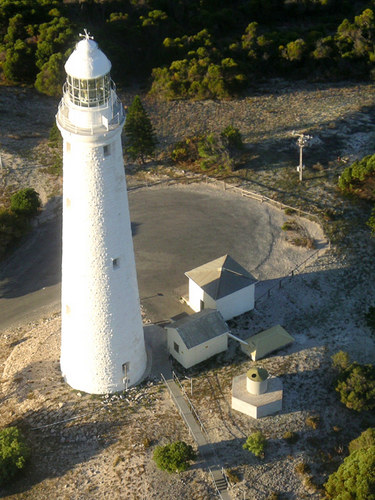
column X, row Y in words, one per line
column 302, row 141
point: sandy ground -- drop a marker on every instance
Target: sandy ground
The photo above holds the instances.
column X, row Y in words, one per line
column 101, row 447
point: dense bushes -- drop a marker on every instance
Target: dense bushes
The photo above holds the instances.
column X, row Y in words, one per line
column 197, row 48
column 359, row 179
column 210, row 153
column 13, row 453
column 355, row 478
column 15, row 222
column 174, row 457
column 355, row 383
column 25, row 202
column 365, row 440
column 203, row 73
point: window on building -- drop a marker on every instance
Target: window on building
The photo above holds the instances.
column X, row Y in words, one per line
column 68, row 147
column 67, row 309
column 89, row 93
column 116, row 263
column 176, row 347
column 68, row 202
column 106, row 150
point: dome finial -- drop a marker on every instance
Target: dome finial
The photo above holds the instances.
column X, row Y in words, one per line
column 86, row 35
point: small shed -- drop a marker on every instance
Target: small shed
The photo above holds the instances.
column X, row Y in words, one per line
column 221, row 284
column 197, row 337
column 265, row 342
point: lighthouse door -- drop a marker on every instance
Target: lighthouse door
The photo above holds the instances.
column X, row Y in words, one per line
column 125, row 371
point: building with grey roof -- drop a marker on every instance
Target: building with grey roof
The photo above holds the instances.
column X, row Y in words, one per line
column 197, row 337
column 221, row 284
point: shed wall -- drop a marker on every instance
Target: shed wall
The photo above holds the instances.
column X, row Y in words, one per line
column 191, row 357
column 237, row 303
column 195, row 296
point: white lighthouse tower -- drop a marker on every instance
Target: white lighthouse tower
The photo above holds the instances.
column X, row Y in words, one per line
column 102, row 344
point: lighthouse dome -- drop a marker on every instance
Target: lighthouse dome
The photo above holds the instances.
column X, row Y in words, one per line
column 87, row 61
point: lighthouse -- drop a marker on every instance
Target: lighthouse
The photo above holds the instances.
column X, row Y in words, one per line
column 102, row 342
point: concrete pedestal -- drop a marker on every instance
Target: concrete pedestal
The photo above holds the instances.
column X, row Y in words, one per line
column 257, row 405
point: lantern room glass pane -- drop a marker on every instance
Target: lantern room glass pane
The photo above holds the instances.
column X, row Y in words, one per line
column 89, row 93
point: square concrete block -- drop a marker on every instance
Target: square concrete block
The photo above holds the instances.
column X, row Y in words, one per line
column 260, row 405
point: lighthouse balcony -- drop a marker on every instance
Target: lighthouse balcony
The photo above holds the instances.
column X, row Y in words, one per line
column 90, row 120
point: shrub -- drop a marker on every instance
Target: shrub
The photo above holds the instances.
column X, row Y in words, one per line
column 232, row 138
column 12, row 228
column 208, row 152
column 355, row 477
column 340, row 361
column 302, row 468
column 273, row 496
column 55, row 137
column 174, row 457
column 365, row 440
column 290, row 225
column 304, row 241
column 13, row 453
column 313, row 421
column 355, row 177
column 232, row 476
column 256, row 443
column 356, row 387
column 25, row 202
column 290, row 437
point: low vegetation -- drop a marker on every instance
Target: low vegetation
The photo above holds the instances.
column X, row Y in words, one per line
column 359, row 179
column 198, row 50
column 355, row 477
column 14, row 454
column 355, row 383
column 15, row 220
column 290, row 437
column 211, row 153
column 174, row 457
column 25, row 202
column 256, row 443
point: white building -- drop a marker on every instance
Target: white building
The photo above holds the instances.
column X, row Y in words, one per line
column 102, row 345
column 195, row 338
column 221, row 284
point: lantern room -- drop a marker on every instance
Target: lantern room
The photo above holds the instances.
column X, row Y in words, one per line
column 90, row 102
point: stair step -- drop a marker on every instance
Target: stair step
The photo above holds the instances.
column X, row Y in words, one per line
column 221, row 485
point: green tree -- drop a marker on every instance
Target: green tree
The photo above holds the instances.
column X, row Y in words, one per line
column 25, row 202
column 356, row 387
column 355, row 478
column 18, row 64
column 51, row 76
column 340, row 361
column 365, row 440
column 256, row 443
column 232, row 138
column 140, row 136
column 174, row 457
column 13, row 453
column 54, row 36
